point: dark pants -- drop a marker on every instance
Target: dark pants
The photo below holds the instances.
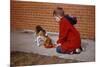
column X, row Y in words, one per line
column 58, row 50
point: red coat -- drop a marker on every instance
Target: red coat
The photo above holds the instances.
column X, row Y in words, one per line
column 69, row 37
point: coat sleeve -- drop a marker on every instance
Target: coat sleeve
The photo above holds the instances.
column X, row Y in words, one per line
column 64, row 29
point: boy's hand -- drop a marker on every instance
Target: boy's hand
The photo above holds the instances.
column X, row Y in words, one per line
column 58, row 45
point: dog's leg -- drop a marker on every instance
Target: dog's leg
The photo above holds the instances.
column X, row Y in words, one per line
column 38, row 41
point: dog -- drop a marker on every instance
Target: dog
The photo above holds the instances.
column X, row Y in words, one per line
column 42, row 38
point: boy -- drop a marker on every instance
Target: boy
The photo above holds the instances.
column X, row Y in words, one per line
column 69, row 38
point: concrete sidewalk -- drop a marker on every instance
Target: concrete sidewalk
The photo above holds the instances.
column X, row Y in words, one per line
column 25, row 42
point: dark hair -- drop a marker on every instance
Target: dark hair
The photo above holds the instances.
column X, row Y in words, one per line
column 39, row 28
column 58, row 11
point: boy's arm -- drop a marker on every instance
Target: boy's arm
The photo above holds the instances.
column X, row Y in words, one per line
column 64, row 29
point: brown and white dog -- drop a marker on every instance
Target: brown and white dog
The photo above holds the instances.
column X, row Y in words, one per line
column 42, row 38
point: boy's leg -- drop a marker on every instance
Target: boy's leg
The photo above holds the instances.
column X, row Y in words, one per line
column 77, row 51
column 58, row 49
column 38, row 40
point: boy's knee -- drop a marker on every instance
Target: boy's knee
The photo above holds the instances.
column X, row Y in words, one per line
column 58, row 49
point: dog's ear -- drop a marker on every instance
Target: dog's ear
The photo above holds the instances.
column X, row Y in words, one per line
column 38, row 28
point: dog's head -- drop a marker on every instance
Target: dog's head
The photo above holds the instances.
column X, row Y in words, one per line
column 40, row 30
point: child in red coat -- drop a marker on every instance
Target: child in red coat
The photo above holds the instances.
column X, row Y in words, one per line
column 69, row 37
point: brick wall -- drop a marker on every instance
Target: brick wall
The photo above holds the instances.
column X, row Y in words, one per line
column 26, row 15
